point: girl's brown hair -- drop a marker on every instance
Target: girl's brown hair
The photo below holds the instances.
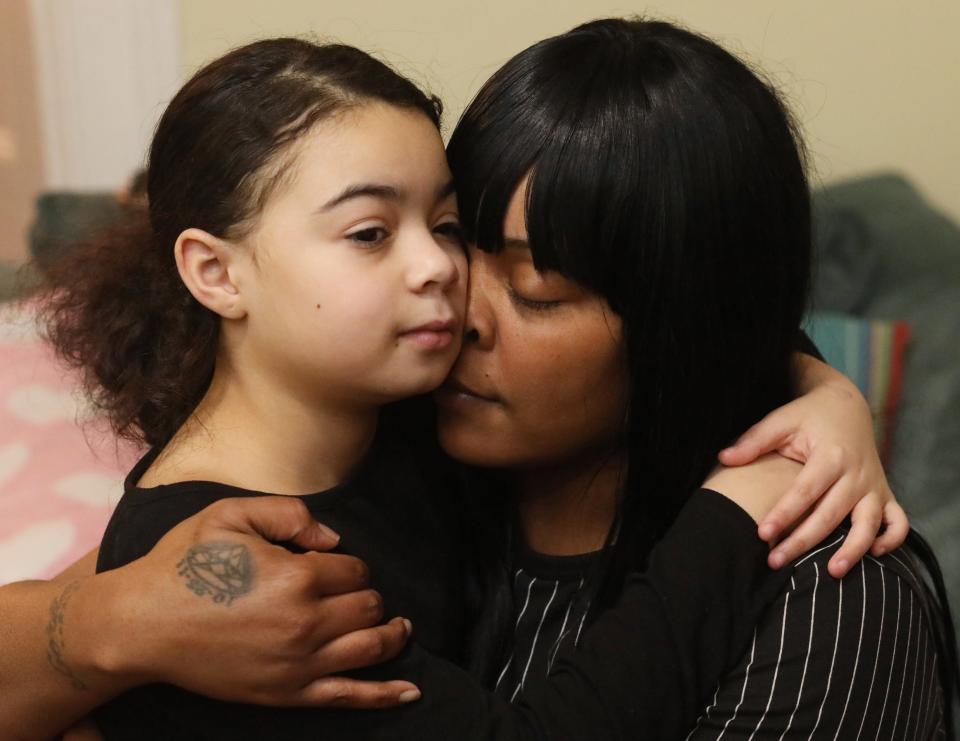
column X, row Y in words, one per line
column 115, row 307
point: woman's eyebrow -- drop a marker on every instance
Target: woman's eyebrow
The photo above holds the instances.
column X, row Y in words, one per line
column 447, row 189
column 515, row 243
column 375, row 190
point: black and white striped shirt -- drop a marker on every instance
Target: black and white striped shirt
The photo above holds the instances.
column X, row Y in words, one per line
column 837, row 659
column 549, row 615
column 830, row 659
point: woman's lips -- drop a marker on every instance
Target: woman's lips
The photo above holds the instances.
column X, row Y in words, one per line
column 453, row 391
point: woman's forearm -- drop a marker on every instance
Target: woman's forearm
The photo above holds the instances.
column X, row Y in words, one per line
column 52, row 651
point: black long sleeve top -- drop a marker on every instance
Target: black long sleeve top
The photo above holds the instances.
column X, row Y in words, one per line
column 646, row 668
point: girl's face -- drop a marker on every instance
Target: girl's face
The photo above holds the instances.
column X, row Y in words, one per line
column 356, row 281
column 541, row 377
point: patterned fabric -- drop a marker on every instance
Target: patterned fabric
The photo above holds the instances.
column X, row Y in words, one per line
column 852, row 658
column 59, row 480
column 870, row 353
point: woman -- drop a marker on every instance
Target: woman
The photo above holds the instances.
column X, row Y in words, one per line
column 596, row 446
column 636, row 189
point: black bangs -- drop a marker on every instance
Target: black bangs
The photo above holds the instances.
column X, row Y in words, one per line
column 559, row 124
column 575, row 114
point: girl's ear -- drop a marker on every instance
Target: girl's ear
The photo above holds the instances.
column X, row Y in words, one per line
column 207, row 266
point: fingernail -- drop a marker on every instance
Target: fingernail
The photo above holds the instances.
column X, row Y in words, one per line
column 334, row 535
column 407, row 626
column 409, row 696
column 881, row 550
column 843, row 564
column 766, row 531
column 776, row 560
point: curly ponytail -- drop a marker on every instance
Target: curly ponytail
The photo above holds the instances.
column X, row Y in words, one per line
column 117, row 310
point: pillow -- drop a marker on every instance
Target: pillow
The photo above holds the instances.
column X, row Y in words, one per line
column 8, row 281
column 58, row 481
column 65, row 217
column 871, row 354
column 901, row 255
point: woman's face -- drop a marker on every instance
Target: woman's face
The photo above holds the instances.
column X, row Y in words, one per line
column 540, row 379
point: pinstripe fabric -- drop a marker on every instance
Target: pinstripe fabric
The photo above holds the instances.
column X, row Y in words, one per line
column 843, row 660
column 849, row 659
column 550, row 616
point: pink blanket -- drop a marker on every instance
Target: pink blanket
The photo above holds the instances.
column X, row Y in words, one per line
column 60, row 474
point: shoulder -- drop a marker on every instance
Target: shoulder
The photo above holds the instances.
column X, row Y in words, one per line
column 841, row 657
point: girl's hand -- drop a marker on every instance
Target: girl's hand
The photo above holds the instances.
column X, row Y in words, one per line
column 829, row 429
column 219, row 610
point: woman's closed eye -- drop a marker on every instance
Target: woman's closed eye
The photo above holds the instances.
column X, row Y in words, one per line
column 531, row 303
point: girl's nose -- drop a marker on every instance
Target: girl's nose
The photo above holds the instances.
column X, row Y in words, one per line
column 433, row 264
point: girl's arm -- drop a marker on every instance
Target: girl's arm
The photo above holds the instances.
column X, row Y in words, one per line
column 71, row 644
column 830, row 429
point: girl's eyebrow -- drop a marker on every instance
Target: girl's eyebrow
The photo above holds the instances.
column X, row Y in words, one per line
column 376, row 190
column 379, row 190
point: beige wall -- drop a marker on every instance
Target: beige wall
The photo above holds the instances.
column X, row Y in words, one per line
column 21, row 168
column 875, row 83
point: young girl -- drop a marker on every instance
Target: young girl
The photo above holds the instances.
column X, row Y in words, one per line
column 312, row 221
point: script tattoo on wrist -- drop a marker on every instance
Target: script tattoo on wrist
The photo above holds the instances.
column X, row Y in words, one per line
column 222, row 570
column 55, row 642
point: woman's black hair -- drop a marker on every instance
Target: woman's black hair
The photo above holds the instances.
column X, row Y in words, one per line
column 667, row 177
column 115, row 307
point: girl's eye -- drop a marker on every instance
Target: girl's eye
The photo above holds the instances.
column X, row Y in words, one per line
column 529, row 303
column 452, row 230
column 369, row 237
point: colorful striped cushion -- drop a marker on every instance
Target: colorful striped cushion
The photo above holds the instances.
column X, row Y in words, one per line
column 871, row 354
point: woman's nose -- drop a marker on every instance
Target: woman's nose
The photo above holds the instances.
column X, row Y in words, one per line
column 479, row 324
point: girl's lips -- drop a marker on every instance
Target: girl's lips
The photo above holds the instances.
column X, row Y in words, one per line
column 435, row 335
column 430, row 339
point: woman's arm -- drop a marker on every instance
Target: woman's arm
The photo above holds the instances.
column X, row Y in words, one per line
column 830, row 429
column 71, row 644
column 33, row 659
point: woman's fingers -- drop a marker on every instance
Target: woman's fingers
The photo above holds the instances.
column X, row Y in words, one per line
column 866, row 519
column 277, row 519
column 331, row 573
column 897, row 526
column 819, row 475
column 340, row 615
column 341, row 692
column 361, row 648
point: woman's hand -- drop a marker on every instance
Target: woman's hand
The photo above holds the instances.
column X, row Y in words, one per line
column 830, row 429
column 217, row 609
